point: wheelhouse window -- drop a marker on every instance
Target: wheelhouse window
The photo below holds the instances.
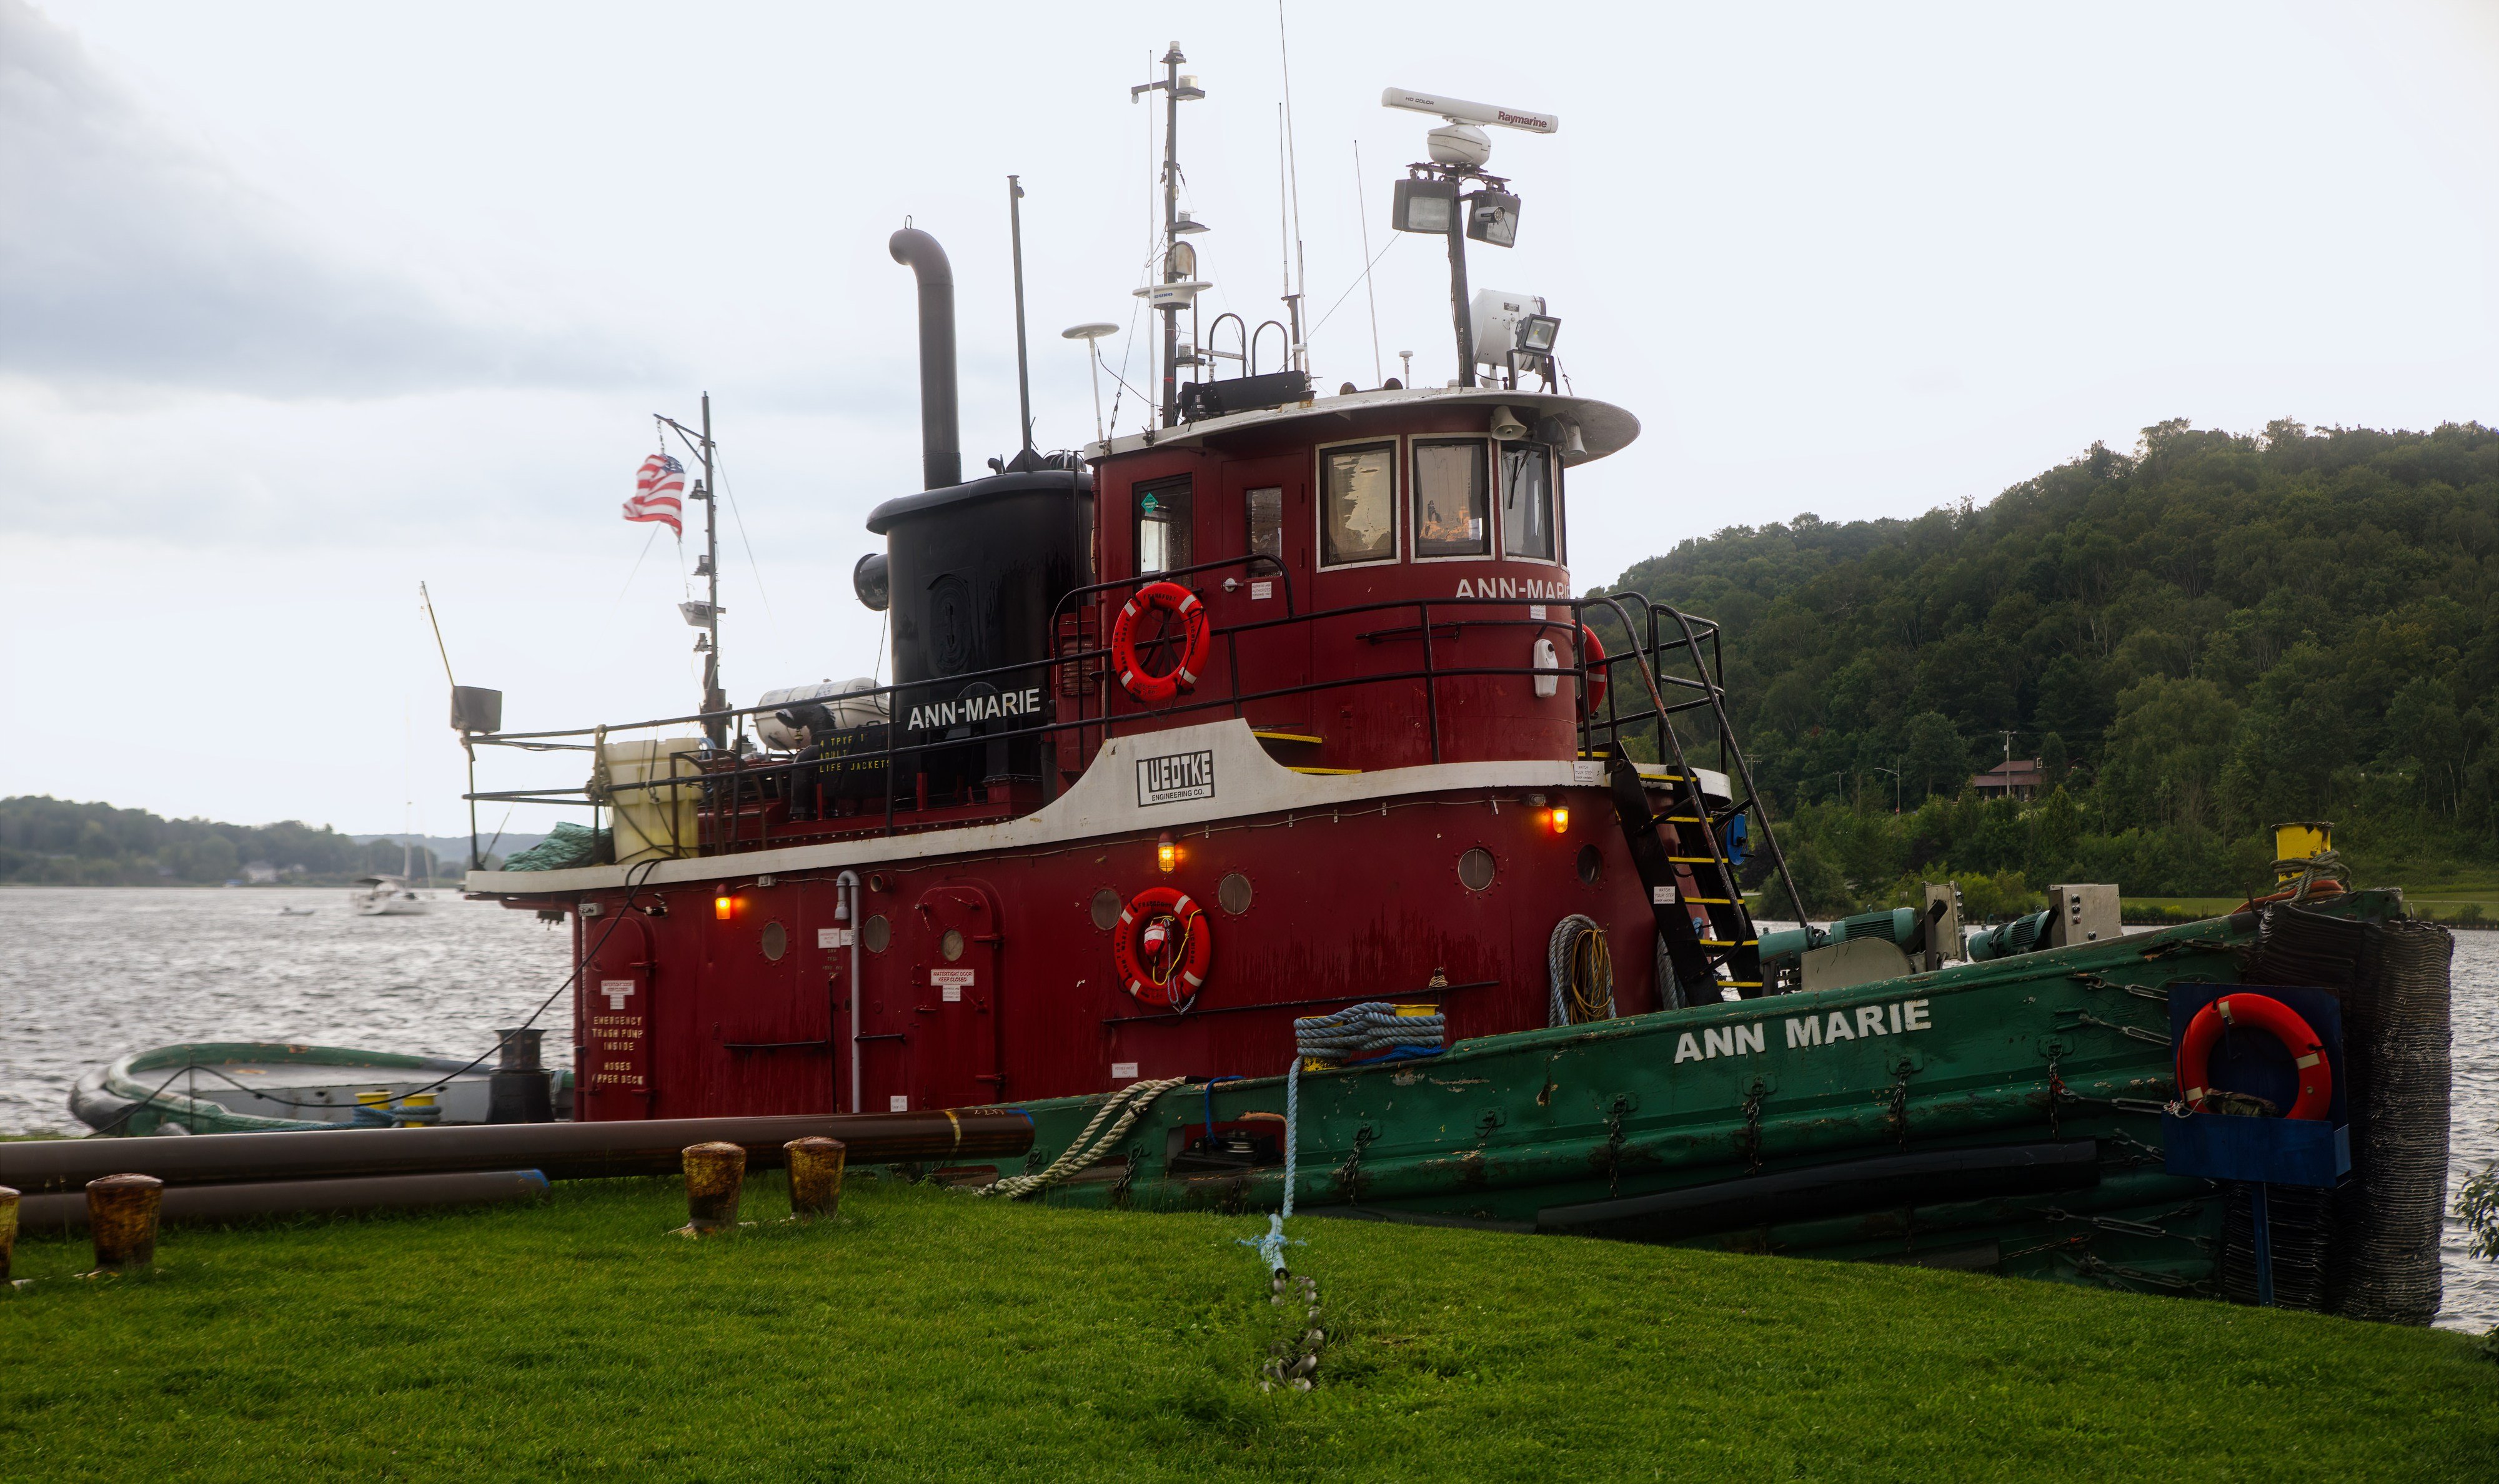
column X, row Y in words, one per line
column 1162, row 526
column 1265, row 510
column 1358, row 503
column 1453, row 499
column 1527, row 501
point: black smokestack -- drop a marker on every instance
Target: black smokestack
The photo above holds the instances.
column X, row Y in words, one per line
column 941, row 441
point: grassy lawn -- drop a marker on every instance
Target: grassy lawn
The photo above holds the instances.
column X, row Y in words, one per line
column 929, row 1336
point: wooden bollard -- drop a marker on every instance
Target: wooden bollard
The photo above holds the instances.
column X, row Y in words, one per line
column 816, row 1175
column 121, row 1215
column 7, row 1229
column 714, row 1172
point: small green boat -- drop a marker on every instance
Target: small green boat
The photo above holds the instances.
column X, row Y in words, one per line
column 2005, row 1116
column 266, row 1087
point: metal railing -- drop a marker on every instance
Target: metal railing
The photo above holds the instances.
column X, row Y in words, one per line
column 733, row 777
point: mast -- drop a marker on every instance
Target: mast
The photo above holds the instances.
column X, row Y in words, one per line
column 714, row 700
column 1023, row 373
column 1171, row 229
column 1173, row 89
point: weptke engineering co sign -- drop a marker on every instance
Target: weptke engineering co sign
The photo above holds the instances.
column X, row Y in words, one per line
column 1174, row 777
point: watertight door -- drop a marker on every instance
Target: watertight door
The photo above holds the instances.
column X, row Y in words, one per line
column 613, row 996
column 1265, row 508
column 957, row 950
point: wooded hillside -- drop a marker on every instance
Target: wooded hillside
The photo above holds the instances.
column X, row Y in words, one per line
column 2202, row 638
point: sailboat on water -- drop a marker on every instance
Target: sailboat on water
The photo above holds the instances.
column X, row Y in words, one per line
column 394, row 896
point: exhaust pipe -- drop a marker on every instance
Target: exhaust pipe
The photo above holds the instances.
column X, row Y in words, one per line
column 941, row 442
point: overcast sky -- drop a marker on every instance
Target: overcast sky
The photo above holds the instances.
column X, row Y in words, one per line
column 301, row 305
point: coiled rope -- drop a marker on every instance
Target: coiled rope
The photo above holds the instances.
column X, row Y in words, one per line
column 1583, row 973
column 1129, row 1102
column 1326, row 1041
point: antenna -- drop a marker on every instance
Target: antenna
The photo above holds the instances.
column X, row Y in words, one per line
column 1297, row 279
column 1091, row 335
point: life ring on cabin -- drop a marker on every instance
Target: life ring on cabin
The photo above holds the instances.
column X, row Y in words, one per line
column 1593, row 660
column 2274, row 1018
column 1171, row 597
column 1162, row 946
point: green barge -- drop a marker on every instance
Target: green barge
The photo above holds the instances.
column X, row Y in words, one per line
column 2008, row 1116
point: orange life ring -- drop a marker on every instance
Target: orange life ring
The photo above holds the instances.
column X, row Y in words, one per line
column 1171, row 597
column 1594, row 658
column 1166, row 909
column 2276, row 1020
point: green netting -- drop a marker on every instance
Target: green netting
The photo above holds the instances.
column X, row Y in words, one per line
column 567, row 846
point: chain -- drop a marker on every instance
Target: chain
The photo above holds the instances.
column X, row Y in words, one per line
column 2187, row 946
column 2135, row 1032
column 1349, row 1176
column 1614, row 1146
column 1753, row 1127
column 2157, row 993
column 2090, row 1264
column 2125, row 1228
column 1898, row 1114
column 2143, row 1153
column 2056, row 1088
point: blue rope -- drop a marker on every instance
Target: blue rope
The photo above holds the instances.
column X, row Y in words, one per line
column 1371, row 1026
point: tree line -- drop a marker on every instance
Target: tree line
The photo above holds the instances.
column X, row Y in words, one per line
column 56, row 842
column 2200, row 639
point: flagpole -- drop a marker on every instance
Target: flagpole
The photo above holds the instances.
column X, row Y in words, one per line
column 716, row 728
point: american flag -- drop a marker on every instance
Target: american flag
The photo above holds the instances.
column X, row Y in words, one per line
column 658, row 490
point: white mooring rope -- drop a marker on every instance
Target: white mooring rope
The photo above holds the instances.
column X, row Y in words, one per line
column 1129, row 1102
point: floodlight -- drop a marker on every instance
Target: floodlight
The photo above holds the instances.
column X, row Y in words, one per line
column 1492, row 216
column 1424, row 205
column 1537, row 332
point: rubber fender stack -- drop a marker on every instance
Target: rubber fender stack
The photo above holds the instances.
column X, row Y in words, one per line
column 2391, row 1210
column 2302, row 1225
column 2392, row 978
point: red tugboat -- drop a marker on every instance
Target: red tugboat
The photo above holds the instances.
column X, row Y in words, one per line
column 1272, row 736
column 1282, row 706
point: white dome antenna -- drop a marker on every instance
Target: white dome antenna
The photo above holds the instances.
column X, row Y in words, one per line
column 1460, row 140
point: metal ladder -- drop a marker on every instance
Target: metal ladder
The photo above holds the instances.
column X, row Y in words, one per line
column 1686, row 839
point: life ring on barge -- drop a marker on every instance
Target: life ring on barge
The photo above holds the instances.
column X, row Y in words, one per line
column 1147, row 932
column 1593, row 664
column 2274, row 1018
column 1170, row 598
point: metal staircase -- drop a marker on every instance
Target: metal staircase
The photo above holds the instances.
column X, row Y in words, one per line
column 1683, row 850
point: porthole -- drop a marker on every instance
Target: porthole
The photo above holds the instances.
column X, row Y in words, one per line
column 1592, row 865
column 1475, row 869
column 951, row 946
column 1232, row 893
column 876, row 934
column 776, row 941
column 1106, row 909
